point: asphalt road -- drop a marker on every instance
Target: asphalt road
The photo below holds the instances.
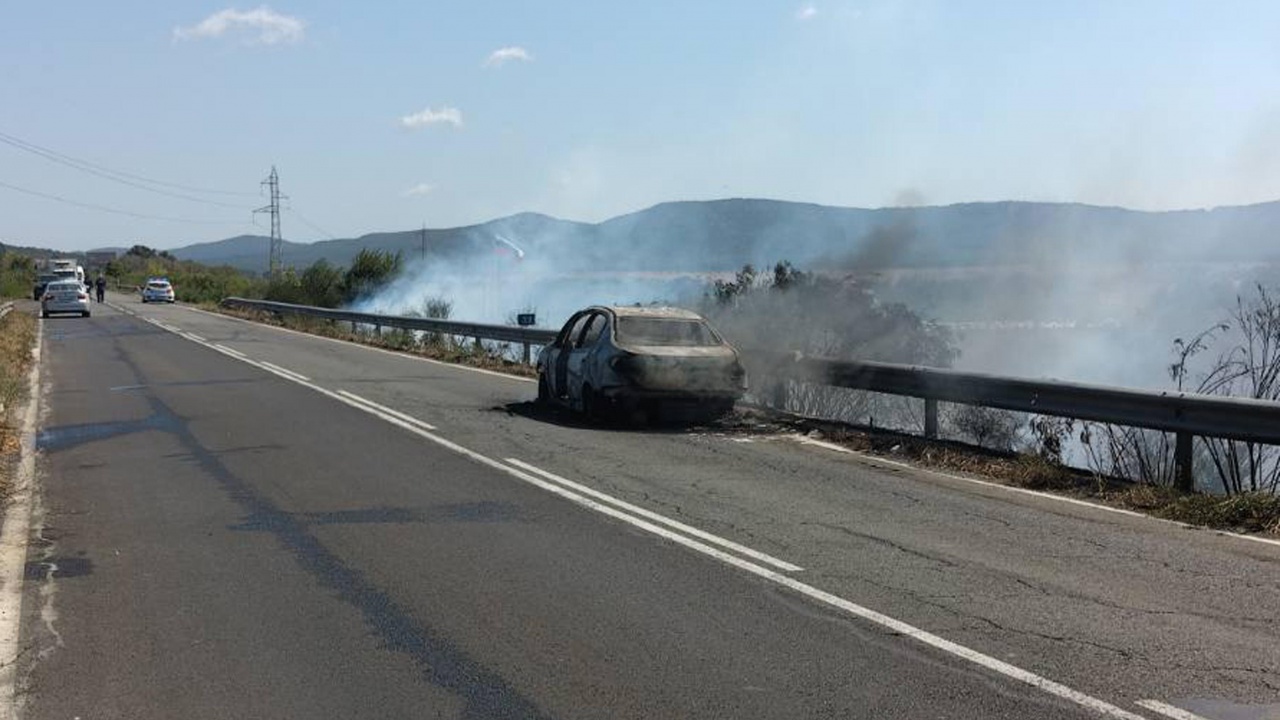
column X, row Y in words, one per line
column 221, row 533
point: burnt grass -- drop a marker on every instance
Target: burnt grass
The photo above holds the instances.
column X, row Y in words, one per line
column 1257, row 513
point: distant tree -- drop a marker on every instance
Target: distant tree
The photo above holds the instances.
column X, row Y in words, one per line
column 834, row 317
column 370, row 270
column 790, row 310
column 141, row 251
column 321, row 284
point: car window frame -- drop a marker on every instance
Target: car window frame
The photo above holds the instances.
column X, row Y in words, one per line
column 596, row 317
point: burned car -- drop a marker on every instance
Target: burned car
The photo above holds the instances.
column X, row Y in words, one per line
column 641, row 361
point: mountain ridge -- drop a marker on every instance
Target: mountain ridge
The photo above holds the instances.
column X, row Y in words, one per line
column 724, row 234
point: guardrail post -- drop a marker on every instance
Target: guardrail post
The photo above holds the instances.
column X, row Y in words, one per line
column 930, row 418
column 1182, row 458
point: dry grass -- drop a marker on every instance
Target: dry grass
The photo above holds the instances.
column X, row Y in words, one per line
column 17, row 337
column 1246, row 513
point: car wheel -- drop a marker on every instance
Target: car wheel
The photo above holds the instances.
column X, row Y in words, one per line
column 85, row 313
column 544, row 390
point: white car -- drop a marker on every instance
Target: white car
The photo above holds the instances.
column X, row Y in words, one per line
column 157, row 290
column 64, row 296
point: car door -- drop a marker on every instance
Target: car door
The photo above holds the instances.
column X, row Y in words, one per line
column 580, row 357
column 561, row 351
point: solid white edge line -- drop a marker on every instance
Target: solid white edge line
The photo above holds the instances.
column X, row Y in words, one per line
column 1024, row 491
column 13, row 541
column 286, row 371
column 999, row 666
column 196, row 337
column 226, row 349
column 687, row 529
column 387, row 410
column 349, row 343
column 1168, row 710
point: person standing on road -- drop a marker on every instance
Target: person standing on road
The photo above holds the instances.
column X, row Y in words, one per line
column 101, row 285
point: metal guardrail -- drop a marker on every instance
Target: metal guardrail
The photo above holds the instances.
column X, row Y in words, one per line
column 527, row 337
column 1187, row 415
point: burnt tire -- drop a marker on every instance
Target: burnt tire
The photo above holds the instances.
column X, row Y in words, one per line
column 544, row 390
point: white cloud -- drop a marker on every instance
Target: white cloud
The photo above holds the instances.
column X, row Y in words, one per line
column 501, row 56
column 806, row 13
column 449, row 115
column 418, row 190
column 263, row 26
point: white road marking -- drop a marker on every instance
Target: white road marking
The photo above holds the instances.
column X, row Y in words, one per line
column 349, row 343
column 1167, row 710
column 1024, row 491
column 226, row 349
column 387, row 410
column 196, row 337
column 13, row 542
column 1089, row 702
column 687, row 529
column 286, row 371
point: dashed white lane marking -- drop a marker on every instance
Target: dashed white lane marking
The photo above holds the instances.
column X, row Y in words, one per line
column 226, row 349
column 387, row 410
column 1023, row 491
column 1168, row 710
column 196, row 337
column 13, row 543
column 1089, row 702
column 687, row 529
column 286, row 371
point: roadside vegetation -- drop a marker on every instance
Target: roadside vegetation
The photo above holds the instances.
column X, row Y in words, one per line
column 17, row 275
column 17, row 337
column 325, row 285
column 193, row 282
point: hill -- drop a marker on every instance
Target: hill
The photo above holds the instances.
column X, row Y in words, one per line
column 722, row 235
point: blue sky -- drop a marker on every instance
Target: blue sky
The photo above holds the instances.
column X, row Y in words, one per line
column 382, row 116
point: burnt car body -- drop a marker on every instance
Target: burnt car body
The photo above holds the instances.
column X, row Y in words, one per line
column 655, row 361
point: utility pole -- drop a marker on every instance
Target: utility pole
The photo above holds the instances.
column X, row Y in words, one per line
column 275, row 254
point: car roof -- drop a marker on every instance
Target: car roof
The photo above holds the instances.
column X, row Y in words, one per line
column 673, row 313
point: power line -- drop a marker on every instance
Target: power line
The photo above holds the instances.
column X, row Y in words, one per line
column 310, row 224
column 114, row 211
column 107, row 174
column 30, row 145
